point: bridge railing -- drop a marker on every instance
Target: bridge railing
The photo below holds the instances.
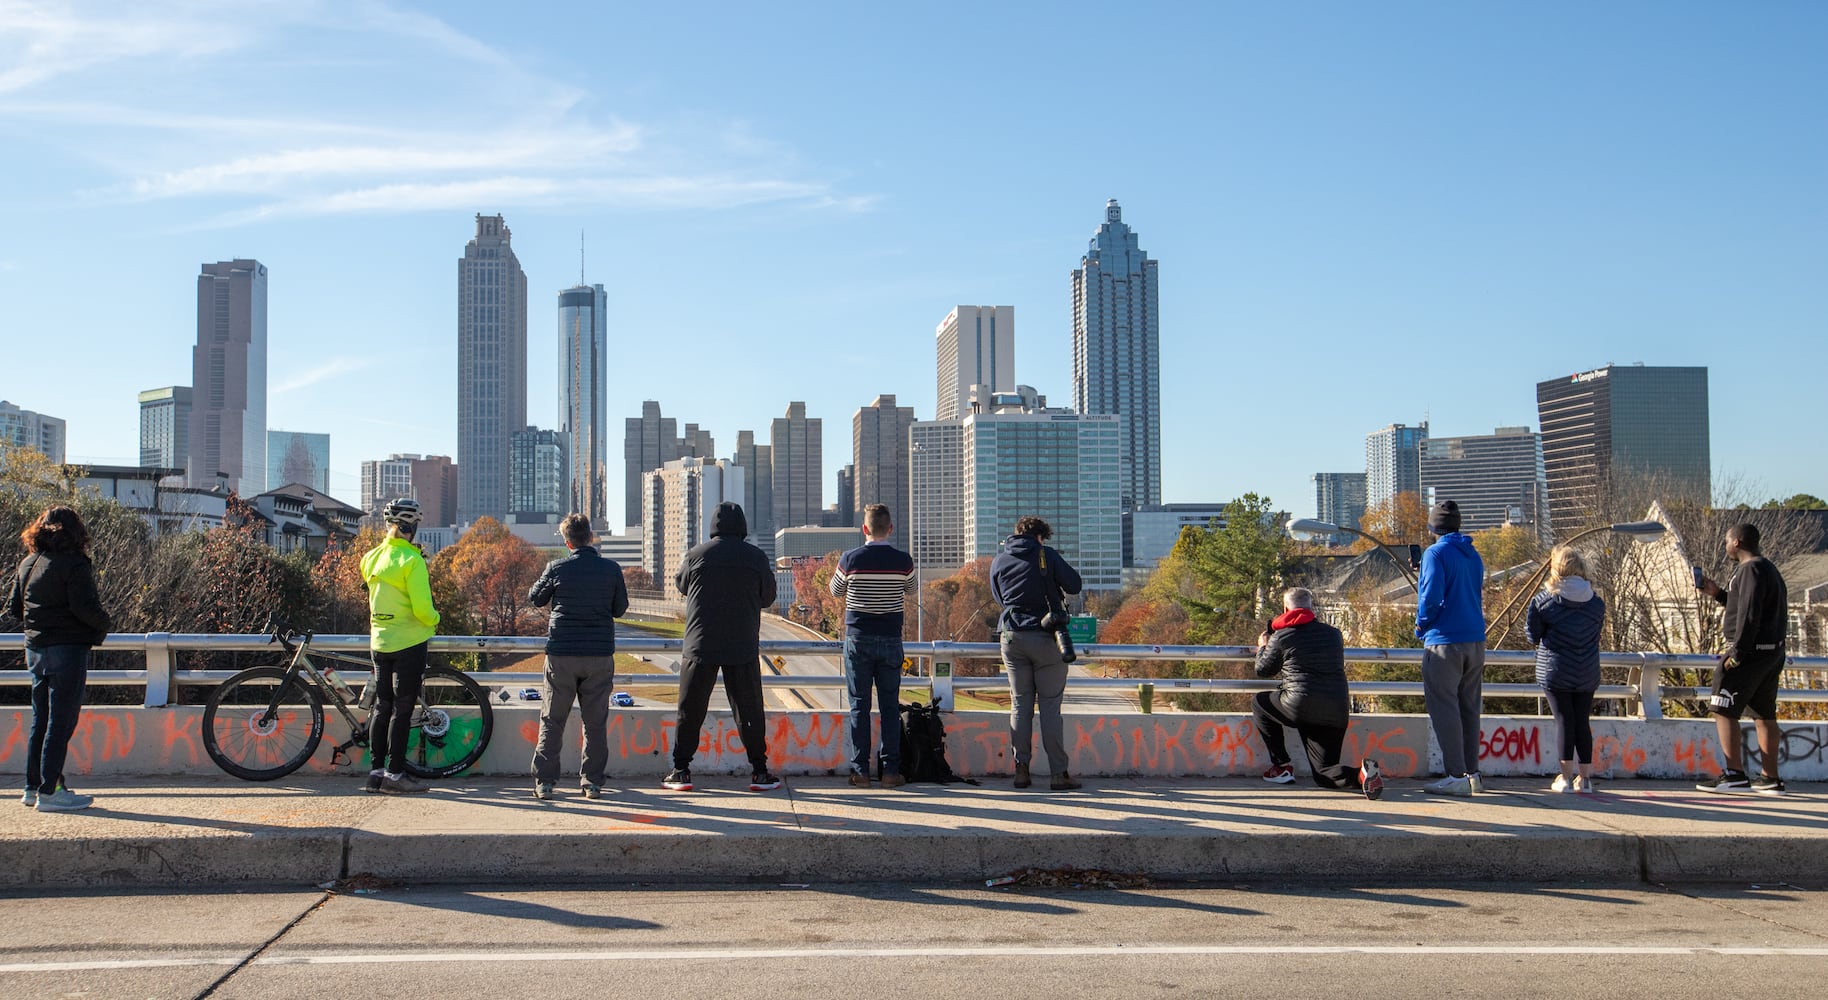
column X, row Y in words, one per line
column 1646, row 692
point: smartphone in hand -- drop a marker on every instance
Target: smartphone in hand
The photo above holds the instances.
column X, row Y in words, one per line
column 1695, row 571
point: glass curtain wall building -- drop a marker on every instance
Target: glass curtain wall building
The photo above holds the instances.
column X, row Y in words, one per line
column 583, row 379
column 165, row 427
column 295, row 457
column 491, row 368
column 1623, row 433
column 1117, row 351
column 1062, row 467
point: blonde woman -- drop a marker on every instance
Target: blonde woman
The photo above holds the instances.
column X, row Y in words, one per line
column 1564, row 622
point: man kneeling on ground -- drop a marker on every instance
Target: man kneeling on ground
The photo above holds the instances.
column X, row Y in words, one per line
column 1310, row 655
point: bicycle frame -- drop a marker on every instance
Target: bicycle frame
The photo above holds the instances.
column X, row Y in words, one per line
column 301, row 665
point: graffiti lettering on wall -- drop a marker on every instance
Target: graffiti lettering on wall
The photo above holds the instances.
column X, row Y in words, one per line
column 1794, row 745
column 1382, row 744
column 1611, row 754
column 1697, row 756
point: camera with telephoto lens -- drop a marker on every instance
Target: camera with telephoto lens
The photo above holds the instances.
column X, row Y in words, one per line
column 1055, row 622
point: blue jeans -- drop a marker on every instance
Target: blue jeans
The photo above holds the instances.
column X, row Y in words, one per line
column 874, row 661
column 58, row 676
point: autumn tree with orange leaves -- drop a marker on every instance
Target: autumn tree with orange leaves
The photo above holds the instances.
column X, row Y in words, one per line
column 489, row 571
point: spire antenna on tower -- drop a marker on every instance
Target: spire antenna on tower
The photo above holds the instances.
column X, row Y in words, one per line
column 580, row 256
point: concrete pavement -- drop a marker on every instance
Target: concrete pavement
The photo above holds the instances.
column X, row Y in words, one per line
column 311, row 830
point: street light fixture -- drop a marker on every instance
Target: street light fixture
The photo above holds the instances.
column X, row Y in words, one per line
column 1313, row 526
column 1637, row 531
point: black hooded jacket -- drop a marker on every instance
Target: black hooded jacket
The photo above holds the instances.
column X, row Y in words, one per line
column 726, row 582
column 54, row 596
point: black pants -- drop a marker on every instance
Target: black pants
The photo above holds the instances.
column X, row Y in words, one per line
column 398, row 678
column 742, row 685
column 58, row 675
column 1321, row 742
column 1573, row 722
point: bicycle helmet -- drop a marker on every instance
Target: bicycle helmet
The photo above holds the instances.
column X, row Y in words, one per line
column 403, row 512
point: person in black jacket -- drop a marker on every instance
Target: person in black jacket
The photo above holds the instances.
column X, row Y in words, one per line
column 726, row 582
column 1565, row 622
column 587, row 595
column 1310, row 656
column 1755, row 627
column 1027, row 578
column 54, row 596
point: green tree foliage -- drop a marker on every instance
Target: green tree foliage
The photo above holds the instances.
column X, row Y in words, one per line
column 1235, row 572
column 1799, row 501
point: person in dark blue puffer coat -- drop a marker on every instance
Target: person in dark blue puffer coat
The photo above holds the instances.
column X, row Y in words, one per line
column 1565, row 622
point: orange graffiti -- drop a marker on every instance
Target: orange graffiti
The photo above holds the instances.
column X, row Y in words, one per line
column 1697, row 756
column 1610, row 752
column 1384, row 745
column 822, row 746
column 1229, row 743
column 179, row 727
column 15, row 736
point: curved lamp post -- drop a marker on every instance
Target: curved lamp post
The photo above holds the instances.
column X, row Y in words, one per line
column 1311, row 526
column 1637, row 531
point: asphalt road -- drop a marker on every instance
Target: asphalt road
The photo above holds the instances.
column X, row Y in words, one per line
column 896, row 941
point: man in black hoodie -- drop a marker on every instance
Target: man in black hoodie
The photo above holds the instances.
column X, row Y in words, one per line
column 1027, row 579
column 1755, row 627
column 726, row 582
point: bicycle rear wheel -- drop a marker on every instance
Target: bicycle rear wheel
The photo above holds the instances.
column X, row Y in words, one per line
column 247, row 740
column 451, row 725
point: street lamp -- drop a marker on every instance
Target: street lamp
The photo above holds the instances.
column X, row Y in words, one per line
column 1312, row 526
column 1637, row 531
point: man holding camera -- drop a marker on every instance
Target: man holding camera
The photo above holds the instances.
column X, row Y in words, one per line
column 1310, row 657
column 1028, row 578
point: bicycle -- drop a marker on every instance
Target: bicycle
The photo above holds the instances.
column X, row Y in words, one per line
column 265, row 722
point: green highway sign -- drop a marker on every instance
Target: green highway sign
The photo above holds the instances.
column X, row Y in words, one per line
column 1083, row 628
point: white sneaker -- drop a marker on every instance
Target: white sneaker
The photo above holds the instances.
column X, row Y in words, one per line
column 1561, row 784
column 1450, row 785
column 30, row 798
column 64, row 800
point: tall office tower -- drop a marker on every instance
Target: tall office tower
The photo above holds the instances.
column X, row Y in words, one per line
column 228, row 416
column 165, row 427
column 1063, row 467
column 388, row 479
column 491, row 368
column 648, row 442
column 583, row 380
column 695, row 443
column 539, row 489
column 1117, row 351
column 296, row 457
column 678, row 499
column 1393, row 462
column 976, row 346
column 1339, row 498
column 757, row 463
column 21, row 428
column 934, row 527
column 434, row 484
column 797, row 444
column 844, row 510
column 1151, row 533
column 1497, row 478
column 1623, row 434
column 879, row 453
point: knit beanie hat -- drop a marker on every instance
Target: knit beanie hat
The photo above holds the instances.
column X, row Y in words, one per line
column 1444, row 518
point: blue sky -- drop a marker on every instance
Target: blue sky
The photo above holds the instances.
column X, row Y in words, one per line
column 1363, row 214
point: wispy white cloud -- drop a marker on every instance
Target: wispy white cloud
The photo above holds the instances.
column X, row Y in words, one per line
column 294, row 381
column 42, row 41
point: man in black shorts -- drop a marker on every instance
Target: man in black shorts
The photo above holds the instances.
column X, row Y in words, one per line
column 1757, row 615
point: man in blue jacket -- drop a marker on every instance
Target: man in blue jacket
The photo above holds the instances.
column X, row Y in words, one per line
column 1450, row 621
column 587, row 596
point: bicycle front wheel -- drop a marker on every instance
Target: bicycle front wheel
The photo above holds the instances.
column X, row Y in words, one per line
column 451, row 725
column 257, row 731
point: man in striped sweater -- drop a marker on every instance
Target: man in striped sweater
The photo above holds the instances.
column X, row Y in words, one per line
column 875, row 581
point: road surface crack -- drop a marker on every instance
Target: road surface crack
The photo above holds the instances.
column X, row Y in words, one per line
column 249, row 958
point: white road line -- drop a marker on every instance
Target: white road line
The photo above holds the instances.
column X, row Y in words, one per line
column 753, row 954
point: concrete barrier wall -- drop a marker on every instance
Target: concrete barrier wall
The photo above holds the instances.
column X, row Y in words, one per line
column 135, row 741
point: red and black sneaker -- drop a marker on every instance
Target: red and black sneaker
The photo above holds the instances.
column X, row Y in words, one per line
column 1280, row 774
column 680, row 780
column 1371, row 779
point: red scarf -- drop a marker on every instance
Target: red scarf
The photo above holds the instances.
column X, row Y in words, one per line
column 1290, row 619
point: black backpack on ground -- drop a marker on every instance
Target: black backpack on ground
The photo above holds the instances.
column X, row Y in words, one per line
column 923, row 746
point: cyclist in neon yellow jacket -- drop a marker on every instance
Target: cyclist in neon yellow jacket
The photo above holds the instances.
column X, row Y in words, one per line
column 401, row 624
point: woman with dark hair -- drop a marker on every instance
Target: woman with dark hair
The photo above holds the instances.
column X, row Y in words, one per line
column 54, row 595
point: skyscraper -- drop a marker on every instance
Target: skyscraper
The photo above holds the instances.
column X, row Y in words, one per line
column 679, row 498
column 165, row 427
column 228, row 417
column 491, row 368
column 294, row 457
column 384, row 480
column 1623, row 433
column 23, row 428
column 537, row 492
column 1393, row 462
column 879, row 451
column 976, row 345
column 1496, row 478
column 1117, row 351
column 431, row 480
column 757, row 463
column 648, row 442
column 1063, row 467
column 1339, row 498
column 935, row 522
column 583, row 379
column 797, row 446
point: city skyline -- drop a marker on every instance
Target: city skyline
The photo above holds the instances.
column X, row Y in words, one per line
column 1499, row 229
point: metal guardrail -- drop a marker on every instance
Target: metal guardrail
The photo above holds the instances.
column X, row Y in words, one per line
column 1648, row 691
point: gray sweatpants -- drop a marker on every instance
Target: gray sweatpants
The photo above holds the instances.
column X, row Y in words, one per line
column 1036, row 674
column 588, row 680
column 1453, row 679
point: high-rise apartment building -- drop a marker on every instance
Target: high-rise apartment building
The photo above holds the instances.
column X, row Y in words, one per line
column 1339, row 498
column 1497, row 478
column 21, row 428
column 432, row 480
column 228, row 417
column 879, row 454
column 583, row 381
column 934, row 527
column 491, row 368
column 539, row 489
column 976, row 345
column 385, row 480
column 165, row 427
column 1623, row 432
column 1393, row 462
column 796, row 443
column 648, row 442
column 678, row 499
column 1117, row 351
column 296, row 457
column 757, row 463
